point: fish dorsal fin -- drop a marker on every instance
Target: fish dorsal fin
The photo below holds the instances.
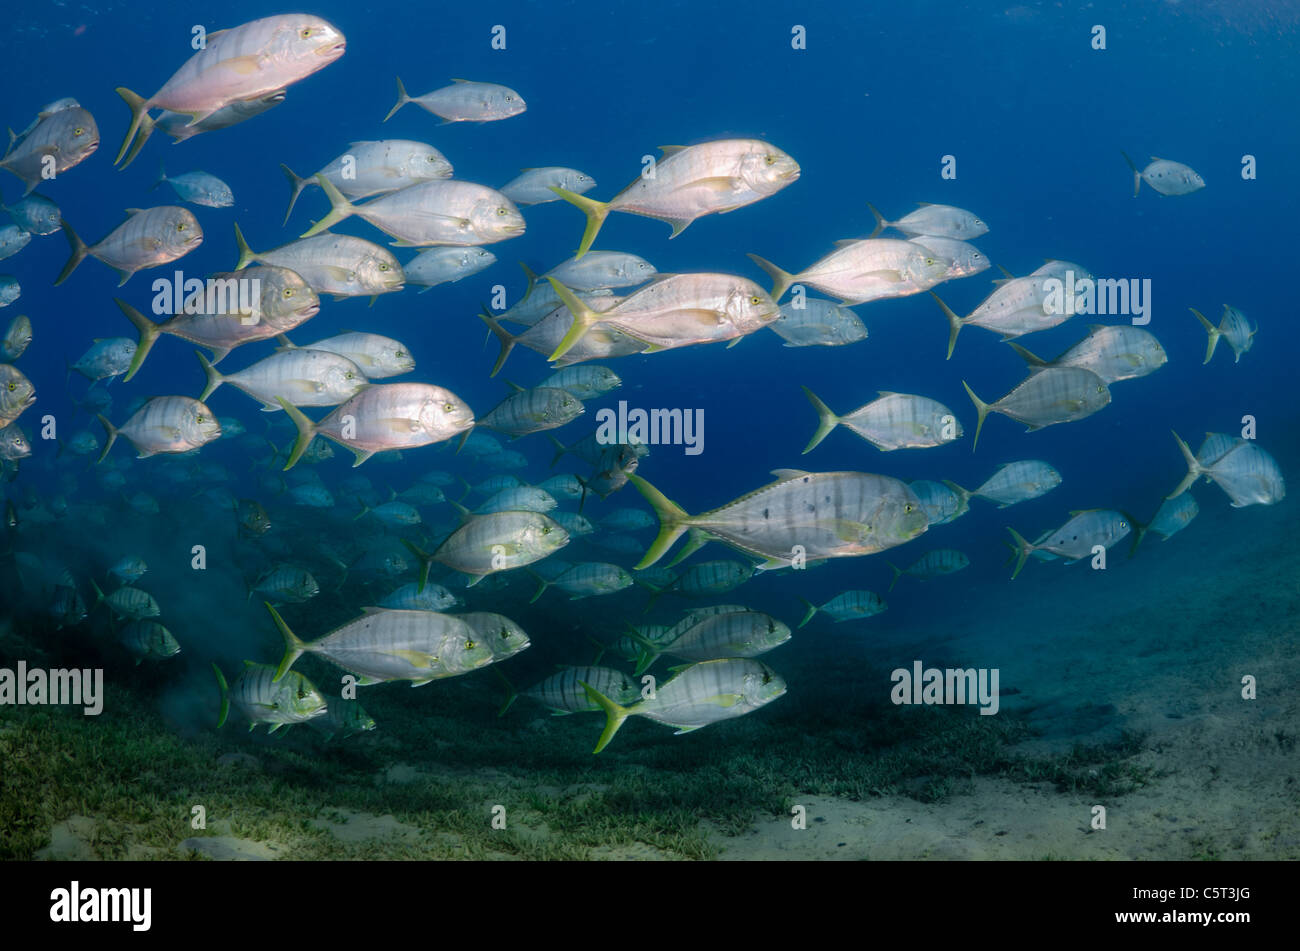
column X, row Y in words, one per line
column 789, row 473
column 885, row 393
column 925, row 204
column 672, row 149
column 1076, row 512
column 1009, row 275
column 515, row 386
column 1156, row 158
column 134, row 211
column 455, row 80
column 213, row 35
column 372, row 610
column 845, row 242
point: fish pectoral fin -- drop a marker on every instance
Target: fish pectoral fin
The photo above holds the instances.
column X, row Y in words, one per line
column 418, row 659
column 686, row 729
column 725, row 699
column 850, row 531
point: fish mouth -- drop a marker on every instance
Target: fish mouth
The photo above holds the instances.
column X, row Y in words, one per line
column 333, row 51
column 790, row 175
column 308, row 311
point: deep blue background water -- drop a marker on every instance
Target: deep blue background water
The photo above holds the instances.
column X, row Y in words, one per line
column 1034, row 116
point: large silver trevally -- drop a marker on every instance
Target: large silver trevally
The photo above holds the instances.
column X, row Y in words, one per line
column 939, row 221
column 35, row 213
column 68, row 136
column 535, row 186
column 375, row 168
column 1077, row 537
column 808, row 515
column 1246, row 472
column 1114, row 352
column 385, row 644
column 298, row 375
column 260, row 698
column 818, row 323
column 862, row 271
column 1050, row 395
column 446, row 265
column 336, row 264
column 1167, row 177
column 692, row 181
column 200, row 188
column 494, row 542
column 165, row 424
column 442, row 212
column 699, row 695
column 1014, row 482
column 892, row 421
column 603, row 269
column 464, row 101
column 249, row 61
column 385, row 416
column 378, row 357
column 678, row 310
column 1233, row 327
column 178, row 126
column 215, row 319
column 148, row 238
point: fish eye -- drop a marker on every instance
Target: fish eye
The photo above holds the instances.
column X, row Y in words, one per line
column 306, row 32
column 469, row 645
column 767, row 678
column 510, row 98
column 770, row 159
column 198, row 418
column 448, row 407
column 348, row 375
column 12, row 386
column 907, row 508
column 501, row 210
column 755, row 300
column 288, row 292
column 181, row 226
column 1101, row 389
column 383, row 266
column 546, row 529
column 929, row 262
column 400, row 353
column 302, row 694
column 78, row 130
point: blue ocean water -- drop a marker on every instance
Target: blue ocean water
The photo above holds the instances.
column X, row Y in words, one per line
column 1033, row 115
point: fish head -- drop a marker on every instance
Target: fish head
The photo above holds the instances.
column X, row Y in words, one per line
column 16, row 391
column 162, row 643
column 425, row 163
column 501, row 102
column 379, row 272
column 77, row 135
column 341, row 379
column 925, row 268
column 762, row 684
column 300, row 696
column 200, row 425
column 302, row 44
column 178, row 231
column 443, row 414
column 578, row 182
column 495, row 218
column 749, row 307
column 767, row 169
